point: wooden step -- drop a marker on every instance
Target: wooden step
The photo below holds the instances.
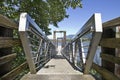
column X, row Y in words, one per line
column 57, row 77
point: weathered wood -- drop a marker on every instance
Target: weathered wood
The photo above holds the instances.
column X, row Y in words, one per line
column 112, row 23
column 5, row 38
column 5, row 51
column 12, row 74
column 6, row 32
column 107, row 75
column 110, row 42
column 7, row 58
column 5, row 22
column 8, row 42
column 111, row 58
column 108, row 33
column 5, row 68
column 117, row 66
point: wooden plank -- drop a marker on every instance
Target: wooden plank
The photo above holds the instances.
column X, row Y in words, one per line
column 5, row 68
column 12, row 74
column 7, row 23
column 110, row 58
column 110, row 42
column 7, row 58
column 5, row 38
column 112, row 23
column 4, row 42
column 107, row 75
column 107, row 34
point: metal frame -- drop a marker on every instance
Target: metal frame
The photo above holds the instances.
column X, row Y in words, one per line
column 35, row 43
column 55, row 39
column 94, row 25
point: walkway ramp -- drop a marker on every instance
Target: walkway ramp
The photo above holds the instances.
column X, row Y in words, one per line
column 58, row 68
column 39, row 50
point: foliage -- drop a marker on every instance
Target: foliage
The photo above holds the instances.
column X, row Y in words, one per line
column 20, row 58
column 44, row 12
column 21, row 74
column 96, row 75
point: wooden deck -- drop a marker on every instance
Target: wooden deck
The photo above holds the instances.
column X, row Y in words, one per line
column 58, row 68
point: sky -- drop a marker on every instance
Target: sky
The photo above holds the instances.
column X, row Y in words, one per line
column 109, row 9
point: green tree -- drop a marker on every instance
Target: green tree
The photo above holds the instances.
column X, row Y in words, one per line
column 44, row 12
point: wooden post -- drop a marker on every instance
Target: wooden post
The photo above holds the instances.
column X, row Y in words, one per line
column 117, row 66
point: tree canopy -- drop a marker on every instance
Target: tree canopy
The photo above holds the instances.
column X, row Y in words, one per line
column 44, row 12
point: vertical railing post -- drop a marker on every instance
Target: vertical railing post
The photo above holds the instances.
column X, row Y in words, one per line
column 22, row 27
column 54, row 38
column 80, row 52
column 35, row 43
column 64, row 40
column 93, row 28
column 94, row 43
column 28, row 50
column 72, row 58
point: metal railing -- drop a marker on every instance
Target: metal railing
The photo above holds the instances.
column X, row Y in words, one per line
column 38, row 48
column 81, row 49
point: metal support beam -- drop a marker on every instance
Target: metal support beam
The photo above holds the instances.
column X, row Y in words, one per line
column 93, row 27
column 55, row 38
column 34, row 42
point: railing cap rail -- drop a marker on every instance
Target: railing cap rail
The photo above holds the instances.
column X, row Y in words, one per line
column 27, row 19
column 90, row 26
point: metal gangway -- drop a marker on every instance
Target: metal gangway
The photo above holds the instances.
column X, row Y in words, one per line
column 74, row 60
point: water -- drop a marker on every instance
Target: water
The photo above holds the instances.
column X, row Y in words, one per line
column 85, row 48
column 96, row 59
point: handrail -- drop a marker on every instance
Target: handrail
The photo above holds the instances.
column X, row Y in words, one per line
column 89, row 36
column 35, row 43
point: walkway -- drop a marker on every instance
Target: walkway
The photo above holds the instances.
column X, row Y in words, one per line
column 58, row 68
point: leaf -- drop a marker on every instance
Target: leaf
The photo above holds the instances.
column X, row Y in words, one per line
column 44, row 12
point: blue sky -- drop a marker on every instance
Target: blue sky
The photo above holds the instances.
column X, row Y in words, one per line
column 109, row 9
